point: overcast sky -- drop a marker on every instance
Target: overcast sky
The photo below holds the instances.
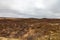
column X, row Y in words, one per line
column 30, row 8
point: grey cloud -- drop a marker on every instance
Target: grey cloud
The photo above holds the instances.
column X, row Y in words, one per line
column 51, row 11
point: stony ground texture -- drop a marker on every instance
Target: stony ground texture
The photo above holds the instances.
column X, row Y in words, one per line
column 29, row 29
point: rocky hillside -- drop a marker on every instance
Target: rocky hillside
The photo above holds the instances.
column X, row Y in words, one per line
column 30, row 28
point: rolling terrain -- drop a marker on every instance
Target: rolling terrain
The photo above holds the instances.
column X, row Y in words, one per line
column 29, row 29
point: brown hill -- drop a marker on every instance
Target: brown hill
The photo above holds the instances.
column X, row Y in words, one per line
column 30, row 28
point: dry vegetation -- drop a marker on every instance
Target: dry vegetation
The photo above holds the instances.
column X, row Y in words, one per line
column 29, row 29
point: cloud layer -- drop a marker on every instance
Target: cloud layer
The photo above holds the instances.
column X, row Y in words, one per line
column 30, row 8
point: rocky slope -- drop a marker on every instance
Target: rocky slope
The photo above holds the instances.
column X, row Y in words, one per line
column 30, row 28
